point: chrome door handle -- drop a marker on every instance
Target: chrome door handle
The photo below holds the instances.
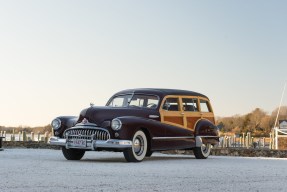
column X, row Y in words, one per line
column 153, row 116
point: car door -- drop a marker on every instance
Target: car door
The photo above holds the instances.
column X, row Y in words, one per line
column 191, row 111
column 177, row 136
column 171, row 112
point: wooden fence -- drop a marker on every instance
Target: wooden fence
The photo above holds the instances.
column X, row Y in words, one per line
column 24, row 136
column 240, row 142
column 244, row 141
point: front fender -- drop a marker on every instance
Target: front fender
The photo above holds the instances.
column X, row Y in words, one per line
column 131, row 124
column 66, row 122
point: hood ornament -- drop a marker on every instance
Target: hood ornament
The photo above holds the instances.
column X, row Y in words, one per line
column 85, row 121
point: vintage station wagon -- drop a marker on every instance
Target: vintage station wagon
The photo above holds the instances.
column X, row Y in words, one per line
column 139, row 122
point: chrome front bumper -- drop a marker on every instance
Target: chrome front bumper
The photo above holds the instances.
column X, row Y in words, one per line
column 93, row 144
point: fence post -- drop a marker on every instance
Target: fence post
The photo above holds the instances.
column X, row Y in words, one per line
column 24, row 136
column 19, row 134
column 13, row 135
column 5, row 135
column 243, row 139
column 39, row 139
column 270, row 141
column 32, row 136
column 263, row 142
column 46, row 137
column 235, row 144
column 249, row 139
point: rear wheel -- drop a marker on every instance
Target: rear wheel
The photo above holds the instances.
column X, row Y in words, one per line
column 202, row 152
column 73, row 154
column 139, row 148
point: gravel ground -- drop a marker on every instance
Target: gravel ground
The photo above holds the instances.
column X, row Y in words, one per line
column 41, row 170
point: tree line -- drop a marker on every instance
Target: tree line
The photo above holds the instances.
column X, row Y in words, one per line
column 258, row 122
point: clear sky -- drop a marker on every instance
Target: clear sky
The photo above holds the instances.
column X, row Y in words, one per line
column 57, row 56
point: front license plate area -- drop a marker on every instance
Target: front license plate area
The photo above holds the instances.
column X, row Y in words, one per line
column 79, row 143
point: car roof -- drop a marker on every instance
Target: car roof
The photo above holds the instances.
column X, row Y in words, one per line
column 161, row 92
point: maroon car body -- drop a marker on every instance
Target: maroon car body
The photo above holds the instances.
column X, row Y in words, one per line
column 139, row 122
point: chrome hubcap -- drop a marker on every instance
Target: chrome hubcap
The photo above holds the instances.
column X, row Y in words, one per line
column 138, row 145
column 205, row 148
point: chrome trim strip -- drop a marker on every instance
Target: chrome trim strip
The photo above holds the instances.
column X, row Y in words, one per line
column 209, row 136
column 86, row 124
column 153, row 116
column 172, row 138
column 83, row 126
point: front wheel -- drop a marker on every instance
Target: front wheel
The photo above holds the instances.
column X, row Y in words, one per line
column 139, row 148
column 202, row 152
column 73, row 154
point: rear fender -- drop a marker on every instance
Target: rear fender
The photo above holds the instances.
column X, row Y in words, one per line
column 206, row 132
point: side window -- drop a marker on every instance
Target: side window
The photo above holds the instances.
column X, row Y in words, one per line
column 148, row 101
column 204, row 106
column 137, row 102
column 190, row 104
column 171, row 104
column 117, row 102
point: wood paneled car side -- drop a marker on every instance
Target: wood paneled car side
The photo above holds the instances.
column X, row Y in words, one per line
column 139, row 122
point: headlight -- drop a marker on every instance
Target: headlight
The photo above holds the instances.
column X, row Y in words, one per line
column 116, row 124
column 56, row 124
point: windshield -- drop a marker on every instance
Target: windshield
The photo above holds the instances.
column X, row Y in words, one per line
column 136, row 100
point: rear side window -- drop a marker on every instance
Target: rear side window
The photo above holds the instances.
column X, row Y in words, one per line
column 204, row 106
column 171, row 104
column 189, row 104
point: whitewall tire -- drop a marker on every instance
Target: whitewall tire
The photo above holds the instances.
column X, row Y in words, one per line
column 139, row 148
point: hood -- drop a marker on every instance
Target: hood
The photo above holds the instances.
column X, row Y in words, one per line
column 98, row 115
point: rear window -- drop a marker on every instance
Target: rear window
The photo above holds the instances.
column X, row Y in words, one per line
column 204, row 106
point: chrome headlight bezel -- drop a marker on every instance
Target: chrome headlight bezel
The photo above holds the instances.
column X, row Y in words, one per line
column 116, row 124
column 56, row 124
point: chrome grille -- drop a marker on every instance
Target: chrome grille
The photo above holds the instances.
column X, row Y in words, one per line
column 84, row 133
